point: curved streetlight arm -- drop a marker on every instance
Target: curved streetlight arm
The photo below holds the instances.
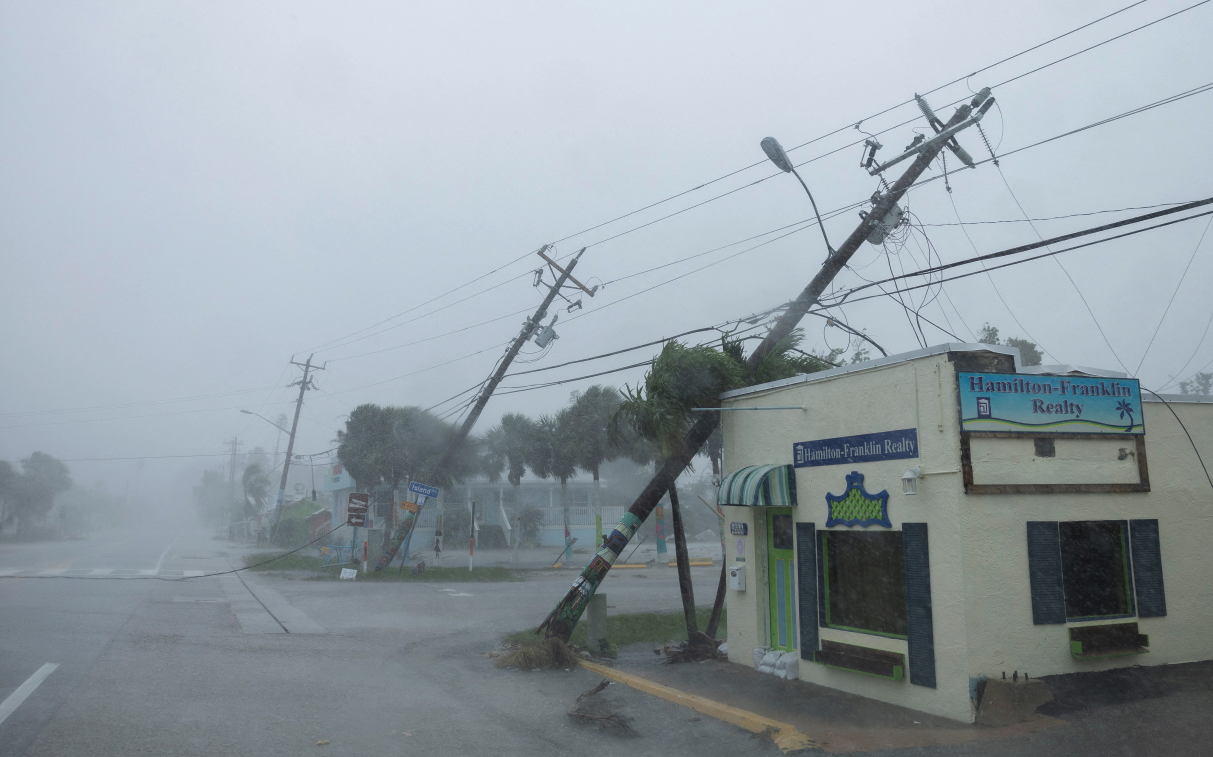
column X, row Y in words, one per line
column 267, row 420
column 820, row 225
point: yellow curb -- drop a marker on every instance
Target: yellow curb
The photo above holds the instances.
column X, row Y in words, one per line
column 786, row 737
column 631, row 565
column 693, row 563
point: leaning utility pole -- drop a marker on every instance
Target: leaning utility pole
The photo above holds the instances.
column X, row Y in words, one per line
column 528, row 330
column 884, row 215
column 231, row 483
column 304, row 384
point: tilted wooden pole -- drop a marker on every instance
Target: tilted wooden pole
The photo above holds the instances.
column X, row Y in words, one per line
column 561, row 621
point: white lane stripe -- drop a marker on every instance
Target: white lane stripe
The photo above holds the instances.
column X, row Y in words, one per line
column 164, row 554
column 15, row 699
column 194, row 573
column 52, row 572
column 100, row 571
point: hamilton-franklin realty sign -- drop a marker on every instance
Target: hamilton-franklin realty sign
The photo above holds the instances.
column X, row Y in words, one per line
column 862, row 448
column 1056, row 404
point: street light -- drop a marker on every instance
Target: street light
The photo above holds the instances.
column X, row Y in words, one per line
column 267, row 420
column 775, row 152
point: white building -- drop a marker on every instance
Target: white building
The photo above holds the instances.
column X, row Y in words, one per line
column 1042, row 536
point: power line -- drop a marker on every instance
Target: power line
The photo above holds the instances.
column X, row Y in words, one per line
column 1017, row 262
column 1167, row 309
column 803, row 144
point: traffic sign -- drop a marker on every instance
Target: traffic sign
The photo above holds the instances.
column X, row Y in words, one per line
column 359, row 503
column 423, row 490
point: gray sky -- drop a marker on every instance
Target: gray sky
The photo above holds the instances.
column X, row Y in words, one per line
column 191, row 193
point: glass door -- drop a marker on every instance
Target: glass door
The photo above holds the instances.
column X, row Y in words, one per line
column 781, row 559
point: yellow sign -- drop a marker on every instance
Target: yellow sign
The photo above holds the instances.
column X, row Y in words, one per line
column 410, row 506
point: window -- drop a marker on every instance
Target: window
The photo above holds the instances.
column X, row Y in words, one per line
column 1095, row 569
column 781, row 531
column 864, row 582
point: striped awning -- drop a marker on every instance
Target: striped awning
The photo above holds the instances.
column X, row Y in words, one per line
column 759, row 486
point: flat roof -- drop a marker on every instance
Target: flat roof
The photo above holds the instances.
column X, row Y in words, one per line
column 941, row 349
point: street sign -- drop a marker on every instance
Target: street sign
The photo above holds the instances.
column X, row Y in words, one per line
column 423, row 490
column 410, row 506
column 359, row 503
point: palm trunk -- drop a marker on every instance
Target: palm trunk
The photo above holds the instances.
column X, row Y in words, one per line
column 718, row 605
column 684, row 567
column 564, row 506
column 597, row 509
column 517, row 513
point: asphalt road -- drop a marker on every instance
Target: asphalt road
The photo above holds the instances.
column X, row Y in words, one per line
column 152, row 663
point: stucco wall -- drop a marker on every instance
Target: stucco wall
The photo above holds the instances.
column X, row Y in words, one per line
column 978, row 547
column 921, row 395
column 996, row 563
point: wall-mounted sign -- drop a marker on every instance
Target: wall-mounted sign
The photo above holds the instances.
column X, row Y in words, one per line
column 1056, row 404
column 862, row 448
column 739, row 529
column 409, row 506
column 741, row 549
column 855, row 507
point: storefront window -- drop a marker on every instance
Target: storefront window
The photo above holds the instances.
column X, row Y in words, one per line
column 1095, row 569
column 865, row 584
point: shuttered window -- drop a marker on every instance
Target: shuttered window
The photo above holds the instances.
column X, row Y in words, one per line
column 920, row 629
column 806, row 584
column 1147, row 568
column 1044, row 573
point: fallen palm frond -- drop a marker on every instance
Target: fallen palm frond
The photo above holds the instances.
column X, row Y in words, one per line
column 589, row 709
column 547, row 654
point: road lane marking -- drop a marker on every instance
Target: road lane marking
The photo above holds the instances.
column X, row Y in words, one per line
column 52, row 572
column 194, row 573
column 100, row 571
column 459, row 594
column 151, row 572
column 15, row 699
column 164, row 554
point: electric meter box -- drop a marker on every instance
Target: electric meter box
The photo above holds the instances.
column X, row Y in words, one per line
column 737, row 577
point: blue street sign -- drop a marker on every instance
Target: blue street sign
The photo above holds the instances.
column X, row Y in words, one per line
column 426, row 491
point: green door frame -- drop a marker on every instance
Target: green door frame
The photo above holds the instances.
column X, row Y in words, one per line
column 781, row 579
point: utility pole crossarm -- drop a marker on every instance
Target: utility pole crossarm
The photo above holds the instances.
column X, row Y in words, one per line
column 553, row 264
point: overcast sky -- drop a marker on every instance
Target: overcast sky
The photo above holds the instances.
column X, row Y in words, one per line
column 191, row 193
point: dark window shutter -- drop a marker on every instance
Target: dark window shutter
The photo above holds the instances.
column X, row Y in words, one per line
column 806, row 583
column 1044, row 572
column 920, row 628
column 1147, row 569
column 821, row 579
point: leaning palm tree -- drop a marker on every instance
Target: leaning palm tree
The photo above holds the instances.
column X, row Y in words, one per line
column 660, row 411
column 591, row 411
column 256, row 489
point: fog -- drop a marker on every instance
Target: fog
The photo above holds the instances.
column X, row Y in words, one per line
column 193, row 194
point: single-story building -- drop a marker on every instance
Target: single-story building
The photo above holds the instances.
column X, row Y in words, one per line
column 913, row 524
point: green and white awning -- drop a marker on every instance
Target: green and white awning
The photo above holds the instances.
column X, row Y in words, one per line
column 759, row 486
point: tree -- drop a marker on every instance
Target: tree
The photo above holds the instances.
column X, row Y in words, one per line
column 1201, row 383
column 42, row 478
column 1029, row 353
column 256, row 486
column 660, row 411
column 8, row 485
column 211, row 498
column 380, row 446
column 554, row 454
column 987, row 335
column 507, row 446
column 591, row 413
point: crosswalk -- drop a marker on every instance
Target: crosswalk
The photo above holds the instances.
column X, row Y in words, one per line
column 100, row 573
